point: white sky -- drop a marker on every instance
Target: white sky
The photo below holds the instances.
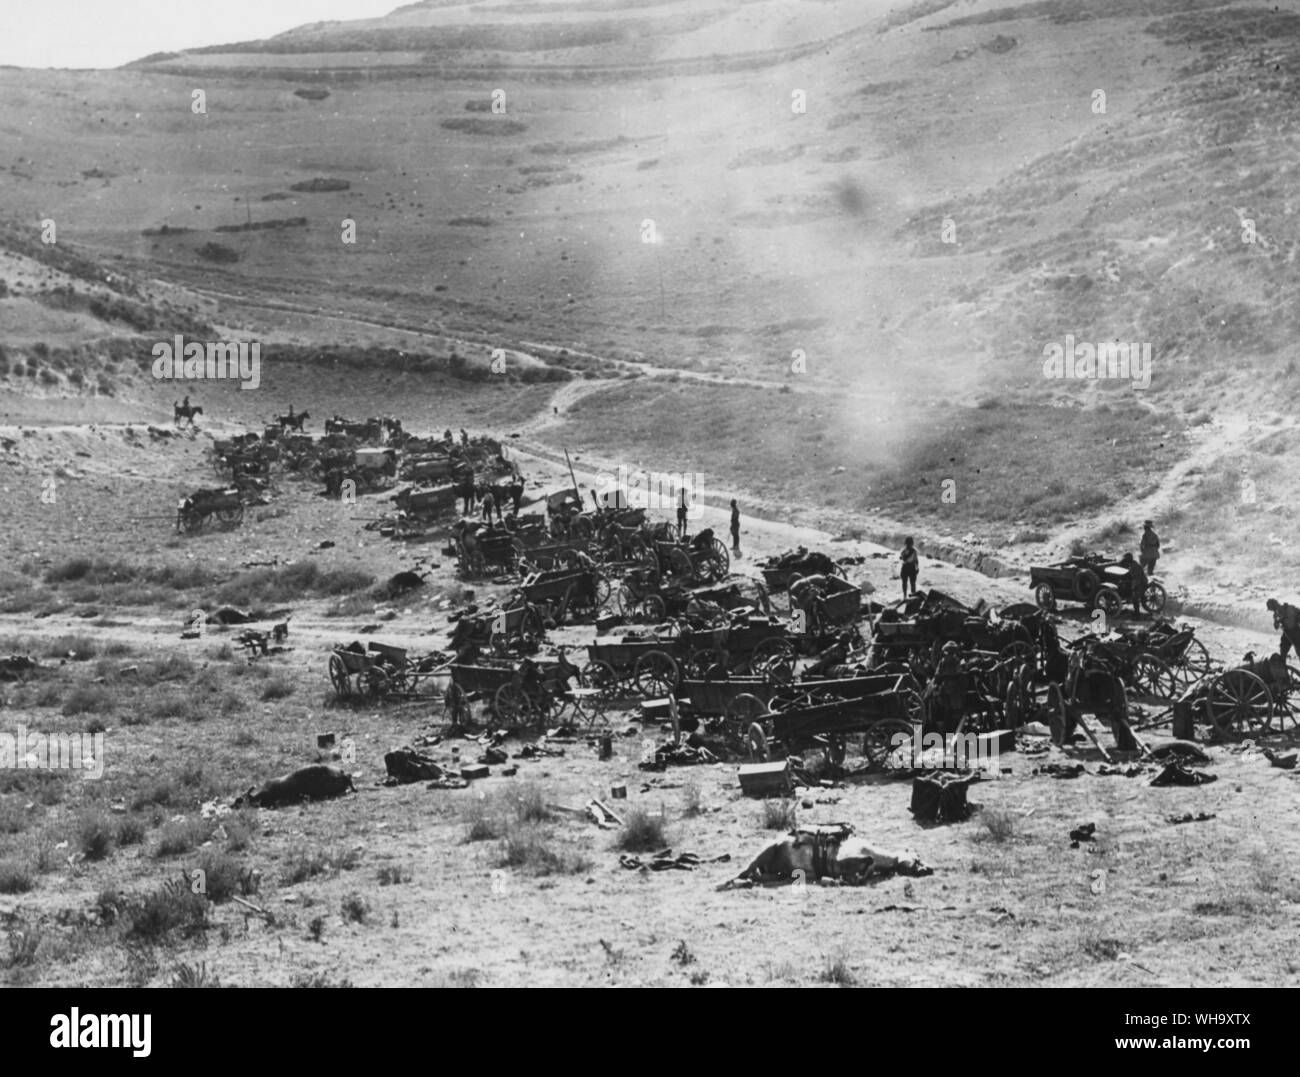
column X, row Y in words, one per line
column 107, row 33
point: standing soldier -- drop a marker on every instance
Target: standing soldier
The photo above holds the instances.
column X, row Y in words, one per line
column 735, row 527
column 1287, row 618
column 1150, row 552
column 681, row 517
column 489, row 503
column 1137, row 582
column 911, row 565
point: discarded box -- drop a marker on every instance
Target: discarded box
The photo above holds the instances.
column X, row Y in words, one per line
column 618, row 792
column 470, row 773
column 766, row 779
column 656, row 709
column 324, row 740
column 940, row 797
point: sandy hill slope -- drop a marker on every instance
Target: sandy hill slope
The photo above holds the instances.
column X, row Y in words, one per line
column 773, row 212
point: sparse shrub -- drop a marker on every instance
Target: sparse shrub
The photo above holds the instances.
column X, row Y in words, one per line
column 14, row 878
column 173, row 908
column 95, row 835
column 532, row 850
column 278, row 687
column 222, row 875
column 240, row 828
column 194, row 976
column 483, row 819
column 836, row 971
column 88, row 699
column 317, row 979
column 391, row 875
column 692, row 797
column 316, row 928
column 130, row 830
column 779, row 815
column 179, row 837
column 304, row 864
column 998, row 823
column 530, row 804
column 642, row 832
column 355, row 910
column 24, row 941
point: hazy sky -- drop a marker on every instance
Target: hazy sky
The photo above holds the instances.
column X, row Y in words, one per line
column 106, row 33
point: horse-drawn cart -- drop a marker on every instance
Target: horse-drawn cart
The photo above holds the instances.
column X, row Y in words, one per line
column 194, row 512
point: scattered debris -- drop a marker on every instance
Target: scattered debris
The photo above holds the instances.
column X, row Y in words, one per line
column 1188, row 817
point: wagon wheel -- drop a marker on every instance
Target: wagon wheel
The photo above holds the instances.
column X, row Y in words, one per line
column 657, row 674
column 1151, row 678
column 339, row 677
column 741, row 713
column 375, row 683
column 192, row 521
column 1195, row 660
column 1286, row 702
column 654, row 609
column 719, row 559
column 649, row 565
column 774, row 659
column 627, row 600
column 914, row 703
column 233, row 517
column 878, row 741
column 1045, row 597
column 1018, row 649
column 1237, row 702
column 456, row 705
column 601, row 675
column 756, row 742
column 710, row 663
column 1153, row 598
column 836, row 749
column 521, row 550
column 679, row 564
column 1014, row 709
column 600, row 589
column 1107, row 599
column 513, row 706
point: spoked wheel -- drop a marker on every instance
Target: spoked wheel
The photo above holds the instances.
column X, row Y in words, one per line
column 601, row 676
column 718, row 561
column 628, row 602
column 654, row 609
column 756, row 743
column 1286, row 702
column 657, row 674
column 600, row 589
column 774, row 659
column 1238, row 703
column 1195, row 662
column 375, row 683
column 193, row 522
column 1108, row 600
column 742, row 713
column 710, row 664
column 231, row 517
column 679, row 564
column 880, row 739
column 1152, row 679
column 339, row 677
column 456, row 705
column 1045, row 597
column 1154, row 598
column 513, row 706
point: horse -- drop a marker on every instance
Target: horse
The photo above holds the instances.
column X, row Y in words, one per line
column 292, row 421
column 185, row 411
